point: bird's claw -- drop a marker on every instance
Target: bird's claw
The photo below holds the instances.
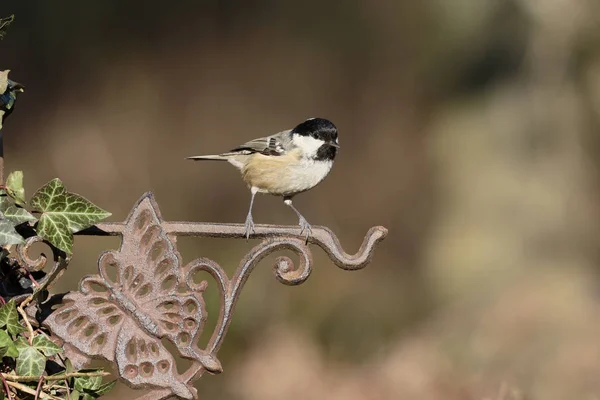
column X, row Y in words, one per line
column 305, row 226
column 249, row 226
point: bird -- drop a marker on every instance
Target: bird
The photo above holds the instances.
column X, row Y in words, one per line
column 284, row 164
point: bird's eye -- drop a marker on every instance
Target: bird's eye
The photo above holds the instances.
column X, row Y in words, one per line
column 314, row 135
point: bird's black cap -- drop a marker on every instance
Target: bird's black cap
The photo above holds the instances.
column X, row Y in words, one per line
column 319, row 128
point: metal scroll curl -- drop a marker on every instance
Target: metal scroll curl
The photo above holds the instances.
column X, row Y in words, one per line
column 145, row 294
column 39, row 263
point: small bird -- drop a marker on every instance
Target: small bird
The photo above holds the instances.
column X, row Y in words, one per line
column 285, row 164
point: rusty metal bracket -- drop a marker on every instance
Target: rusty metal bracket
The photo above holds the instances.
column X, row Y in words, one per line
column 144, row 293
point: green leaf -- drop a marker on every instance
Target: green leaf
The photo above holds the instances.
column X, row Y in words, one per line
column 55, row 229
column 46, row 346
column 12, row 352
column 63, row 213
column 21, row 343
column 9, row 317
column 17, row 215
column 5, row 339
column 30, row 362
column 91, row 387
column 87, row 383
column 5, row 201
column 14, row 187
column 69, row 366
column 75, row 395
column 8, row 234
column 11, row 215
column 107, row 387
column 7, row 347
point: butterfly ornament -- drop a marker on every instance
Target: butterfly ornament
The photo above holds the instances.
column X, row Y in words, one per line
column 141, row 296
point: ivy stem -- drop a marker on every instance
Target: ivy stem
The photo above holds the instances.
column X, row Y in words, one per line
column 24, row 315
column 6, row 388
column 68, row 389
column 30, row 391
column 39, row 388
column 19, row 378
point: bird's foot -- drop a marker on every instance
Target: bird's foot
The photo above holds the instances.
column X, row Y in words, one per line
column 249, row 226
column 305, row 227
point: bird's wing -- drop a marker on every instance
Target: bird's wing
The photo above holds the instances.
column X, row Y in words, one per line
column 274, row 145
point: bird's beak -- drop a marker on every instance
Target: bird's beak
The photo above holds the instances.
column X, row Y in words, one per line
column 333, row 144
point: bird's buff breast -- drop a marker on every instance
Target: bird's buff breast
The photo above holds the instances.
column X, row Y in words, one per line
column 284, row 175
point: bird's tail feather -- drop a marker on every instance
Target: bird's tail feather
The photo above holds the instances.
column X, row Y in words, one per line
column 215, row 157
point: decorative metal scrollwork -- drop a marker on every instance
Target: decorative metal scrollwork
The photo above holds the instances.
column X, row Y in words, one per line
column 144, row 294
column 59, row 263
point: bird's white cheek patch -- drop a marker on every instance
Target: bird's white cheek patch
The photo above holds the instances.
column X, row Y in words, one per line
column 309, row 145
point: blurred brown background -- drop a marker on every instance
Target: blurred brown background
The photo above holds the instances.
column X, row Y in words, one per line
column 469, row 128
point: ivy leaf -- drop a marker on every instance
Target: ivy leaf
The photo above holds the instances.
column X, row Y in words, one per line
column 30, row 362
column 5, row 339
column 14, row 187
column 10, row 318
column 18, row 215
column 46, row 346
column 4, row 200
column 21, row 343
column 12, row 352
column 7, row 347
column 91, row 387
column 69, row 366
column 63, row 213
column 13, row 214
column 55, row 229
column 8, row 235
column 53, row 200
column 107, row 387
column 88, row 383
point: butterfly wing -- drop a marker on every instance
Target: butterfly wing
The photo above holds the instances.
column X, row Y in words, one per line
column 88, row 319
column 97, row 327
column 157, row 291
column 145, row 362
